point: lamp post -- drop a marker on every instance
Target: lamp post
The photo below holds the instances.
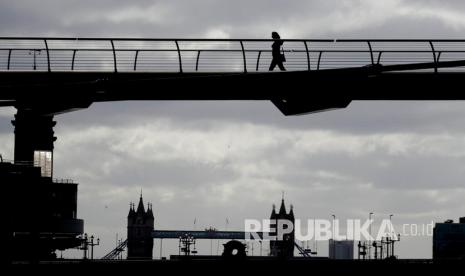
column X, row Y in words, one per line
column 34, row 53
column 85, row 246
column 369, row 242
column 92, row 244
column 390, row 225
column 334, row 235
column 389, row 239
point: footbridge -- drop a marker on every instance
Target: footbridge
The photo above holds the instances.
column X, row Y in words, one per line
column 69, row 73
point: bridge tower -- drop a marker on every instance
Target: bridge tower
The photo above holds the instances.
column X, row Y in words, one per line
column 282, row 248
column 140, row 227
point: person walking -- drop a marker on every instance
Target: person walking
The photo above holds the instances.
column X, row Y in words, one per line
column 278, row 57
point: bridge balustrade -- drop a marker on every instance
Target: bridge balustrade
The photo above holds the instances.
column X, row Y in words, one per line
column 54, row 54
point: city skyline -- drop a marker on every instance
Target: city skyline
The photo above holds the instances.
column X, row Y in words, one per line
column 215, row 160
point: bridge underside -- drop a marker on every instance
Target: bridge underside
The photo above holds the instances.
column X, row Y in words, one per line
column 292, row 92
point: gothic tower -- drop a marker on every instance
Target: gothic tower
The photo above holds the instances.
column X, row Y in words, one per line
column 140, row 227
column 282, row 248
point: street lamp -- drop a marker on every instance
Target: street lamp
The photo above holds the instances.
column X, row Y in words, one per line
column 85, row 246
column 34, row 53
column 334, row 219
column 92, row 244
column 334, row 242
column 369, row 242
column 390, row 224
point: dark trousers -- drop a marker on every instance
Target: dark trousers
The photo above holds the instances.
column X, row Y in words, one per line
column 275, row 62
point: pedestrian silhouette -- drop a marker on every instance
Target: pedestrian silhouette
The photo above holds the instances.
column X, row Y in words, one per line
column 278, row 57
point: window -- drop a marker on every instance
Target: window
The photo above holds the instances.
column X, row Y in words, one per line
column 43, row 159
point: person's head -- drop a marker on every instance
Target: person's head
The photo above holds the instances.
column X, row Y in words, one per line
column 275, row 35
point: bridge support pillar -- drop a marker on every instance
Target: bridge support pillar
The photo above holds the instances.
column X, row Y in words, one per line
column 34, row 139
column 40, row 210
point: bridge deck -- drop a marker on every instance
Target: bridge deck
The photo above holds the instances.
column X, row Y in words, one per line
column 321, row 74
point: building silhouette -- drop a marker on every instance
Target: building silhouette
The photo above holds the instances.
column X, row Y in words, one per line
column 40, row 211
column 449, row 240
column 140, row 227
column 281, row 248
column 341, row 250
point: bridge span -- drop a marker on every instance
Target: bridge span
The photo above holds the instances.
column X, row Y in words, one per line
column 69, row 73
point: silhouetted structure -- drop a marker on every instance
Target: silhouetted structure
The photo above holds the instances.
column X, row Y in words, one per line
column 282, row 248
column 140, row 227
column 234, row 250
column 194, row 69
column 41, row 211
column 341, row 250
column 449, row 240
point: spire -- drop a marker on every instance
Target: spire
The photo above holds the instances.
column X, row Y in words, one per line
column 131, row 209
column 273, row 212
column 149, row 213
column 140, row 207
column 291, row 213
column 282, row 209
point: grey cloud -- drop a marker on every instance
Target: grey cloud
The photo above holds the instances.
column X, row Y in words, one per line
column 360, row 117
column 135, row 173
column 238, row 18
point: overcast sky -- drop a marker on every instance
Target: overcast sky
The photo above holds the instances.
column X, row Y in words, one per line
column 218, row 160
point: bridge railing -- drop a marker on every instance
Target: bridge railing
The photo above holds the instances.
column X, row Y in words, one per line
column 215, row 55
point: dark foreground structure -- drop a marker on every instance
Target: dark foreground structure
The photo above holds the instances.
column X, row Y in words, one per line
column 41, row 212
column 55, row 75
column 248, row 267
column 449, row 240
column 43, row 218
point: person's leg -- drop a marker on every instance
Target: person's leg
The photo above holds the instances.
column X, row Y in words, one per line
column 273, row 64
column 281, row 66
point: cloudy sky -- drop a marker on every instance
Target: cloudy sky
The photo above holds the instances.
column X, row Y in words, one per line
column 215, row 160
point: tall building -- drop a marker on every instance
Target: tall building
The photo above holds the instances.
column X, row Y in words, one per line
column 281, row 248
column 449, row 240
column 341, row 250
column 140, row 227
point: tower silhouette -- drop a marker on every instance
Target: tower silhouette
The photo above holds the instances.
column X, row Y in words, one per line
column 140, row 227
column 281, row 248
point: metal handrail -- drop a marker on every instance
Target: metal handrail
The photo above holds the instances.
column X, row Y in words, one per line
column 244, row 56
column 223, row 39
column 434, row 56
column 179, row 56
column 116, row 251
column 63, row 181
column 114, row 56
column 48, row 55
column 308, row 55
column 24, row 163
column 336, row 54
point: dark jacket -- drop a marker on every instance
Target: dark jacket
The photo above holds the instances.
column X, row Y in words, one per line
column 277, row 49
